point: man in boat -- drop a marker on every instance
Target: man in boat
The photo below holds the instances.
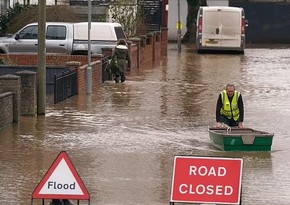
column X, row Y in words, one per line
column 230, row 108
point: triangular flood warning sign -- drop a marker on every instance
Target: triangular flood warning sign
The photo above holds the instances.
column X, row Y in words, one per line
column 61, row 181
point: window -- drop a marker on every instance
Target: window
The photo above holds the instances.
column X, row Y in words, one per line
column 30, row 32
column 56, row 32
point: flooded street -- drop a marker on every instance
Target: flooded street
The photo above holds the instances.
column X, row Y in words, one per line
column 123, row 138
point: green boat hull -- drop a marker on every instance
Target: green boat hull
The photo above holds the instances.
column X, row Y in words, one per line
column 243, row 139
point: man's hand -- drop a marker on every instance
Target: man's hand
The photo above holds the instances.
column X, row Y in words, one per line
column 218, row 124
column 241, row 125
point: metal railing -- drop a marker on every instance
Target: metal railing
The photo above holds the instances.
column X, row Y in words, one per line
column 65, row 85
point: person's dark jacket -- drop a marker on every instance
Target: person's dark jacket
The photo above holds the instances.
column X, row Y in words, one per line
column 123, row 56
column 220, row 104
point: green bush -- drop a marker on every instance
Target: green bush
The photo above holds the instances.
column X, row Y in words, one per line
column 2, row 61
column 11, row 13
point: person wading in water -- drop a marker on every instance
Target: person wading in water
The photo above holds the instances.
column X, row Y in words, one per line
column 123, row 60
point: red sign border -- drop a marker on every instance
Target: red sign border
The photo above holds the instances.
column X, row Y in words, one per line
column 206, row 157
column 62, row 155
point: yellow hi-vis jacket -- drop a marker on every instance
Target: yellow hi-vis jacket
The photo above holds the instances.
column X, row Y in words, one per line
column 230, row 110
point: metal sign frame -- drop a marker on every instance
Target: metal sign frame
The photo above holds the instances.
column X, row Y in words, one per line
column 188, row 175
column 61, row 163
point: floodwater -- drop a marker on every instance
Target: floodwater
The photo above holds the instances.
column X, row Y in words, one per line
column 122, row 139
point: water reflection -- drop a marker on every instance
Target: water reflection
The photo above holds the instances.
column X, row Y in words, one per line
column 123, row 138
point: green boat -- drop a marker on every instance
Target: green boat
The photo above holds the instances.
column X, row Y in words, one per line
column 240, row 139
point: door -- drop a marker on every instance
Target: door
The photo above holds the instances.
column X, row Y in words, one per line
column 211, row 32
column 231, row 28
column 27, row 41
column 56, row 39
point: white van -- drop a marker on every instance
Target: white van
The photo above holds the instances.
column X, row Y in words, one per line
column 62, row 37
column 220, row 28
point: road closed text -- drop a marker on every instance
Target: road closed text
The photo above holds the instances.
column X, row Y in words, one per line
column 207, row 171
column 200, row 189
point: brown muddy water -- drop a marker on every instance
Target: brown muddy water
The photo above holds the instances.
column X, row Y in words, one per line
column 123, row 138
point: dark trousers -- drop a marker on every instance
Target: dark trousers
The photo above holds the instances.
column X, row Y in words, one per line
column 119, row 75
column 229, row 122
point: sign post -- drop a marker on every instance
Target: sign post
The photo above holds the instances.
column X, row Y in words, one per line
column 179, row 27
column 206, row 180
column 61, row 181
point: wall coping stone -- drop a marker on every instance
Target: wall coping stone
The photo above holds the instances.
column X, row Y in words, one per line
column 6, row 94
column 9, row 76
column 26, row 73
column 135, row 39
column 73, row 63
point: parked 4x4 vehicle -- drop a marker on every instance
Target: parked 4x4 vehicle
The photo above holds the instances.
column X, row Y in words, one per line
column 61, row 37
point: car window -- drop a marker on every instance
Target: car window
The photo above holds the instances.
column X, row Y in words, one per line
column 29, row 32
column 56, row 32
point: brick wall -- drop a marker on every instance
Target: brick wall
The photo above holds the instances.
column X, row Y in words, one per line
column 62, row 60
column 146, row 49
column 51, row 59
column 96, row 77
column 134, row 56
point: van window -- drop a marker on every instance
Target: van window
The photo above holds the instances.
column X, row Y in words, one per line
column 120, row 33
column 56, row 32
column 29, row 32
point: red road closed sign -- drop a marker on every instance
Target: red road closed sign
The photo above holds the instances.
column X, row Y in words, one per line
column 206, row 180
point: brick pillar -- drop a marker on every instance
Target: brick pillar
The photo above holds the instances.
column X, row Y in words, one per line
column 143, row 40
column 164, row 40
column 137, row 42
column 11, row 83
column 158, row 36
column 73, row 64
column 81, row 75
column 164, row 28
column 153, row 41
column 157, row 44
column 165, row 7
column 28, row 105
column 151, row 37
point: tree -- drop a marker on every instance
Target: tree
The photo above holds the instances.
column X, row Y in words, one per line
column 126, row 13
column 20, row 15
column 192, row 9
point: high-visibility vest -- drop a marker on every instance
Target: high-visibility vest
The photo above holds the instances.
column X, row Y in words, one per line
column 230, row 110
